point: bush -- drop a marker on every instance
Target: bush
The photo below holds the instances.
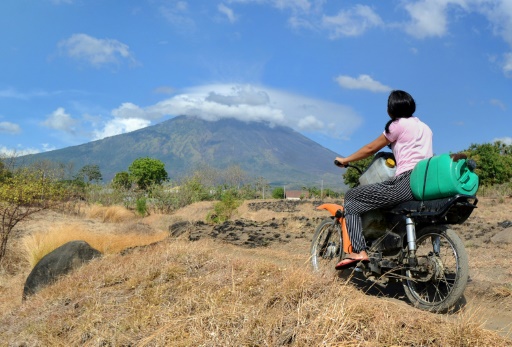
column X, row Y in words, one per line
column 141, row 206
column 224, row 209
column 278, row 193
column 494, row 162
column 25, row 192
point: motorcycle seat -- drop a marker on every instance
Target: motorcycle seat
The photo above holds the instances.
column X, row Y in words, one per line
column 453, row 209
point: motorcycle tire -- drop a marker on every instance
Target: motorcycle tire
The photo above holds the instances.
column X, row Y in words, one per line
column 440, row 286
column 326, row 246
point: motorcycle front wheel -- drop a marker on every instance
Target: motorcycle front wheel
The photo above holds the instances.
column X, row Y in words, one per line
column 326, row 246
column 438, row 282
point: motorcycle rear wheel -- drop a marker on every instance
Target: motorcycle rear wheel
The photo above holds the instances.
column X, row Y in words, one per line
column 326, row 246
column 438, row 289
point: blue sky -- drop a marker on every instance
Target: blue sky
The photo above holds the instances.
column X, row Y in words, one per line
column 74, row 71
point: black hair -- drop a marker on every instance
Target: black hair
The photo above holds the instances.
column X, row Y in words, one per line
column 400, row 105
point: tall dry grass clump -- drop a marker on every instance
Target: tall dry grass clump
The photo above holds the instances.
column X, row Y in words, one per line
column 204, row 293
column 111, row 214
column 37, row 245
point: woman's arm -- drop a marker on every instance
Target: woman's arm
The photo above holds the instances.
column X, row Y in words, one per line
column 365, row 151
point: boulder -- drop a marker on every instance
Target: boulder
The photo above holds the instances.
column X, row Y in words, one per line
column 502, row 237
column 58, row 263
column 179, row 228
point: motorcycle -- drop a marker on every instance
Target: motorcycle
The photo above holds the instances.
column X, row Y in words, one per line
column 410, row 242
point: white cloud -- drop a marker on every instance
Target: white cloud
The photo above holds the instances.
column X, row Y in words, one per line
column 16, row 152
column 228, row 12
column 256, row 103
column 9, row 128
column 220, row 101
column 60, row 120
column 294, row 5
column 498, row 103
column 128, row 110
column 428, row 18
column 97, row 52
column 310, row 123
column 362, row 82
column 505, row 140
column 499, row 14
column 177, row 14
column 118, row 126
column 507, row 64
column 352, row 22
column 11, row 93
column 126, row 118
column 243, row 102
column 47, row 147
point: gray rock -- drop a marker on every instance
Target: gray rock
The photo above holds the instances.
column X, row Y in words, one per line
column 58, row 263
column 502, row 237
column 179, row 228
column 505, row 224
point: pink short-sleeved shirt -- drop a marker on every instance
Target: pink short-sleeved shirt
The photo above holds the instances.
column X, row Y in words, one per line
column 411, row 141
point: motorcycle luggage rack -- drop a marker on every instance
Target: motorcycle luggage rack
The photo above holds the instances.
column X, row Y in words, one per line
column 453, row 210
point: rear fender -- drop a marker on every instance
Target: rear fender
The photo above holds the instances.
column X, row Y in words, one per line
column 332, row 209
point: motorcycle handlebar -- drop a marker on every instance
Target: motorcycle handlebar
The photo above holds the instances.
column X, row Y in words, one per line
column 339, row 164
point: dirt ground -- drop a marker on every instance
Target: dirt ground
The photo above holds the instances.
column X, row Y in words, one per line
column 289, row 225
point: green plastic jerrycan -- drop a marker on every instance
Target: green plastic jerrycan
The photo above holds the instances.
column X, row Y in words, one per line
column 444, row 177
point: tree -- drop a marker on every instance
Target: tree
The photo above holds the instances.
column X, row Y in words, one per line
column 4, row 172
column 278, row 193
column 225, row 208
column 147, row 171
column 234, row 176
column 23, row 193
column 351, row 175
column 90, row 173
column 262, row 187
column 494, row 162
column 313, row 192
column 331, row 193
column 122, row 180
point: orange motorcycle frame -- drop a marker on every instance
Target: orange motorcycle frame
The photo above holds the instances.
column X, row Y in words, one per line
column 332, row 209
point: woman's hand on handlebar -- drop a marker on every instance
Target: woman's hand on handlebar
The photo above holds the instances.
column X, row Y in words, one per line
column 341, row 162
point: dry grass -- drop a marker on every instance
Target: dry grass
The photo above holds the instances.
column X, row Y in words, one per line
column 503, row 291
column 37, row 245
column 495, row 209
column 203, row 293
column 111, row 214
column 194, row 212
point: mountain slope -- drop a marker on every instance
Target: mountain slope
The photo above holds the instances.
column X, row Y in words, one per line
column 279, row 154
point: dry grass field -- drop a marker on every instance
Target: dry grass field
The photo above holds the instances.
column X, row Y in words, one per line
column 150, row 289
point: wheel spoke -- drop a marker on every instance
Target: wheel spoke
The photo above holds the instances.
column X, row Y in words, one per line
column 326, row 248
column 433, row 285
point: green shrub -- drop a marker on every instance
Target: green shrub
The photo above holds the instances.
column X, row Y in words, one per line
column 225, row 208
column 141, row 206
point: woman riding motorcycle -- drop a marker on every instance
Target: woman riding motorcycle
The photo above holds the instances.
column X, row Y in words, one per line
column 411, row 141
